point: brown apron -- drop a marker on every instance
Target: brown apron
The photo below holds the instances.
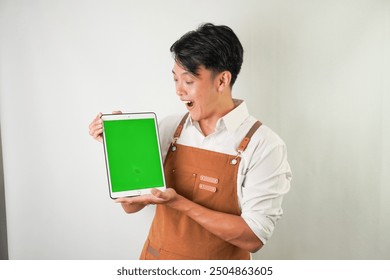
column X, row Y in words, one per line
column 209, row 179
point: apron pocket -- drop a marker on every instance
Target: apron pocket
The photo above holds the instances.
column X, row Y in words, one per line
column 182, row 181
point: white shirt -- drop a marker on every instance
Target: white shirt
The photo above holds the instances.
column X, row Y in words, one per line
column 264, row 174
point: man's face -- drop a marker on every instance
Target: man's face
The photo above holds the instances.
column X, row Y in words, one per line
column 198, row 93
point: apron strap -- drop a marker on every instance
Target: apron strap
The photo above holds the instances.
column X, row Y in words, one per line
column 244, row 143
column 180, row 127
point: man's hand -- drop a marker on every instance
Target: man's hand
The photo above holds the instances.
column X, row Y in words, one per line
column 96, row 127
column 134, row 204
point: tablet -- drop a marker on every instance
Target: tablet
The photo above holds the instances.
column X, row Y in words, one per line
column 132, row 152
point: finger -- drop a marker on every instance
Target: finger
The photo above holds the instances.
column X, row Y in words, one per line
column 96, row 125
column 97, row 134
column 117, row 112
column 166, row 195
column 93, row 127
column 156, row 193
column 143, row 199
column 96, row 120
column 96, row 130
column 122, row 200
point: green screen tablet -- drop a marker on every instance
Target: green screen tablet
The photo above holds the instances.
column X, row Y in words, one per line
column 133, row 154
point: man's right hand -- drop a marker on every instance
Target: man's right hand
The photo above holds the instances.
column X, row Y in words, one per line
column 96, row 127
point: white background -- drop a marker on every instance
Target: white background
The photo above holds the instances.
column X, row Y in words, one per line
column 317, row 72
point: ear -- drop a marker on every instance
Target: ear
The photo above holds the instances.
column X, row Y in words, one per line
column 224, row 79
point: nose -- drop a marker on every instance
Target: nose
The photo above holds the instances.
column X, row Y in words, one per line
column 179, row 89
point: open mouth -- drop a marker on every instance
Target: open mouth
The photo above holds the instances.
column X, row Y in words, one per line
column 188, row 103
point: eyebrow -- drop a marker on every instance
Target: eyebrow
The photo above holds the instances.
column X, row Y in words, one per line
column 184, row 73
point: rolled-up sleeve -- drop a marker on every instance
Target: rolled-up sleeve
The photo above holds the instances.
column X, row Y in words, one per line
column 265, row 181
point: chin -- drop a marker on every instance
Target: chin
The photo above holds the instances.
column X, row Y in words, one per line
column 194, row 116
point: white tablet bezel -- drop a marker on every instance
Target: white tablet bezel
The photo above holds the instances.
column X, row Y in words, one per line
column 129, row 116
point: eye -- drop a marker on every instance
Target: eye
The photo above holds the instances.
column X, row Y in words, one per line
column 189, row 82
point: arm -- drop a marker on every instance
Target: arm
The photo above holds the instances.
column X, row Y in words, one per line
column 267, row 180
column 230, row 228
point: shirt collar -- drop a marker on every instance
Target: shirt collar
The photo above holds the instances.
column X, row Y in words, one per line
column 231, row 120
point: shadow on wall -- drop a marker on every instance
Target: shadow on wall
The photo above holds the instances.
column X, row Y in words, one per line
column 3, row 224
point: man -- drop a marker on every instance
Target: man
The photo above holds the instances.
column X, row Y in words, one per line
column 226, row 173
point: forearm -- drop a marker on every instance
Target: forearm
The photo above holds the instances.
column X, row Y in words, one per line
column 228, row 227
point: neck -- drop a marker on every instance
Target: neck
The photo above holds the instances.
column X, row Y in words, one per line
column 208, row 125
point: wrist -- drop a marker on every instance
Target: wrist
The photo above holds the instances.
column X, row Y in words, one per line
column 177, row 202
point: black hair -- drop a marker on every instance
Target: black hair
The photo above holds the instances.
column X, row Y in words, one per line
column 216, row 47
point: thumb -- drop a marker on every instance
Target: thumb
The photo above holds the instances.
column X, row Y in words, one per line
column 166, row 195
column 156, row 192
